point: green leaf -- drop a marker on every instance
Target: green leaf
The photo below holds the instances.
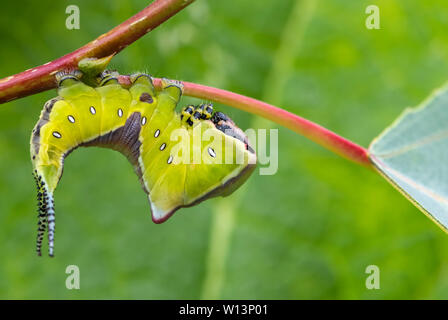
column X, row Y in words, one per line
column 411, row 154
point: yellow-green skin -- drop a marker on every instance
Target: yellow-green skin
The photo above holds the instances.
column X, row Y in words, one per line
column 82, row 115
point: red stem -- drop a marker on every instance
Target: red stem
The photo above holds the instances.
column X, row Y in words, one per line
column 42, row 78
column 309, row 129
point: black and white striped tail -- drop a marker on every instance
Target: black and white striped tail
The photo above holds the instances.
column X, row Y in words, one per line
column 46, row 218
column 51, row 224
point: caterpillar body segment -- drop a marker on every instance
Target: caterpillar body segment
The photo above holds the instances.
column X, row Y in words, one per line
column 181, row 159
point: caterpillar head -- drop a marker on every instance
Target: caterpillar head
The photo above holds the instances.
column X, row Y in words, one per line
column 228, row 160
column 225, row 124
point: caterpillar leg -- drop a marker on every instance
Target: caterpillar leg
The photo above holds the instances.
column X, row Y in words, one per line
column 203, row 111
column 207, row 111
column 192, row 114
column 186, row 114
column 65, row 78
column 171, row 93
column 142, row 88
column 108, row 77
column 173, row 87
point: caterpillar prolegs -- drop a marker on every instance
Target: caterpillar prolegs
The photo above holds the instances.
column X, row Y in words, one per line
column 140, row 122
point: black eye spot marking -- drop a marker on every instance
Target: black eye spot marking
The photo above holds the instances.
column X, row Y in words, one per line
column 57, row 134
column 120, row 112
column 34, row 157
column 170, row 159
column 163, row 146
column 143, row 121
column 157, row 133
column 92, row 110
column 146, row 97
column 71, row 119
column 211, row 152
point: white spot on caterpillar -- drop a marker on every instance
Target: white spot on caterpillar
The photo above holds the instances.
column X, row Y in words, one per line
column 120, row 112
column 92, row 110
column 170, row 159
column 34, row 70
column 46, row 64
column 162, row 147
column 71, row 119
column 211, row 152
column 157, row 133
column 143, row 121
column 57, row 134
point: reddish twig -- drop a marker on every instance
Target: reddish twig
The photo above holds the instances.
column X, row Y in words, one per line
column 42, row 78
column 309, row 129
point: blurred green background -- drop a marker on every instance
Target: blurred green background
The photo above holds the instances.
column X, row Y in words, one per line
column 307, row 232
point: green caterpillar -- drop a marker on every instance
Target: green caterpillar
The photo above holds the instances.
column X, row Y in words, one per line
column 138, row 122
